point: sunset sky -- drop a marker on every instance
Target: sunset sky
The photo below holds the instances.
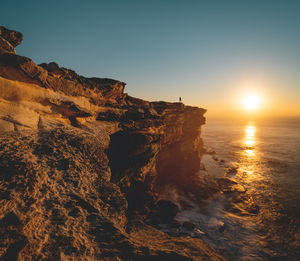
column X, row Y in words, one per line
column 211, row 53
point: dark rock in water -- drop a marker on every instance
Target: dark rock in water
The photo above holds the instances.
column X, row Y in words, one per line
column 228, row 185
column 153, row 219
column 188, row 225
column 226, row 182
column 175, row 224
column 166, row 210
column 231, row 171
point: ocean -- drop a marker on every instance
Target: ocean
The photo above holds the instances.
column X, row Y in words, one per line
column 264, row 156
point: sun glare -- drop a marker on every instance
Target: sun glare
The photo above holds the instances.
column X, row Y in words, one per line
column 251, row 102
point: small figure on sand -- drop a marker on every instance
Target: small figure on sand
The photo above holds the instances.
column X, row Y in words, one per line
column 179, row 99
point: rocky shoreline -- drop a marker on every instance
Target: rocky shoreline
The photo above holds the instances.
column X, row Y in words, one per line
column 89, row 172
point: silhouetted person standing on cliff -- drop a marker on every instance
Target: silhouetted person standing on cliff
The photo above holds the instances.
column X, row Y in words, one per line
column 179, row 99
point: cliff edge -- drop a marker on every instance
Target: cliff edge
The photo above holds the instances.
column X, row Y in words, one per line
column 83, row 166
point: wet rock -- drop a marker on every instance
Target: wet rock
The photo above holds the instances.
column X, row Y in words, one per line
column 175, row 224
column 163, row 212
column 197, row 233
column 188, row 225
column 231, row 171
column 153, row 219
column 225, row 182
column 228, row 185
column 166, row 210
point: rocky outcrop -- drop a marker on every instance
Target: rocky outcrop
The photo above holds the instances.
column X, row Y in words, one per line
column 97, row 91
column 82, row 165
column 9, row 40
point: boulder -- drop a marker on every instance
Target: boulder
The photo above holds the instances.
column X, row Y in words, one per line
column 188, row 225
column 13, row 37
column 167, row 210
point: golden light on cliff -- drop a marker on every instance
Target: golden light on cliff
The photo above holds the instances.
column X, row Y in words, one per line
column 251, row 101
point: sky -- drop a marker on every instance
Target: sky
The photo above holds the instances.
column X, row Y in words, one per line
column 210, row 53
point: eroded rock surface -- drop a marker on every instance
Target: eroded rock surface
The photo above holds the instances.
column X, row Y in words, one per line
column 82, row 165
column 9, row 39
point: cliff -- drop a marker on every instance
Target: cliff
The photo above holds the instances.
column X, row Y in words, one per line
column 84, row 166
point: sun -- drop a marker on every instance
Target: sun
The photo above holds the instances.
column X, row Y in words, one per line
column 251, row 101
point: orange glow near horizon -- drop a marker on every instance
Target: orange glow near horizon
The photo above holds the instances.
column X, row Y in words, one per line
column 252, row 101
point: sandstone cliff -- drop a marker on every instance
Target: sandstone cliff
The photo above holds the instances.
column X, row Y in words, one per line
column 82, row 166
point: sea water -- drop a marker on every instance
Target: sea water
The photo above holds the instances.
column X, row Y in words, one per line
column 265, row 157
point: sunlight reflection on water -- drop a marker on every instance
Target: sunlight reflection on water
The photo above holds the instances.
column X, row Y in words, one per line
column 250, row 138
column 249, row 141
column 267, row 158
column 249, row 155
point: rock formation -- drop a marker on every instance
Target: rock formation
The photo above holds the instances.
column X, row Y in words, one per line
column 82, row 165
column 9, row 40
